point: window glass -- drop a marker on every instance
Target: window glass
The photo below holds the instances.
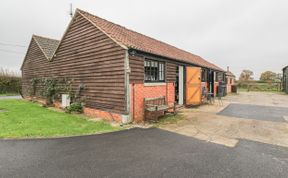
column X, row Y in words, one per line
column 204, row 75
column 154, row 71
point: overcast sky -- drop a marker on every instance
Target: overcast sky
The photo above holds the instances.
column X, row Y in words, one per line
column 242, row 34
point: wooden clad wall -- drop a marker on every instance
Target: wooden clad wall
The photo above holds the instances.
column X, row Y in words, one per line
column 89, row 57
column 137, row 70
column 285, row 79
column 34, row 61
column 171, row 70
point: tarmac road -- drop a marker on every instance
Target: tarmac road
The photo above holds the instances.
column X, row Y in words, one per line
column 139, row 153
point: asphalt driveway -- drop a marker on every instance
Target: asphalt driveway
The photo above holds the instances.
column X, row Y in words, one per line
column 139, row 153
column 248, row 111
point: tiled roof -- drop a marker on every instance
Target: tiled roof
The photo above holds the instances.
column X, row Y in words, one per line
column 135, row 40
column 47, row 45
column 228, row 73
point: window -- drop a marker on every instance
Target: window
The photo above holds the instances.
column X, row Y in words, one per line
column 154, row 71
column 219, row 77
column 204, row 75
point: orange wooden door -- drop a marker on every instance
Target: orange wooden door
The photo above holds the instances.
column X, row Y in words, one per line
column 193, row 86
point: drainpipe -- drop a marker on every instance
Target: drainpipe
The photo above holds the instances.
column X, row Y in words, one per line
column 127, row 70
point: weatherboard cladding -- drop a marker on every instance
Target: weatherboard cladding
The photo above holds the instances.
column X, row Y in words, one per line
column 87, row 56
column 137, row 69
column 285, row 79
column 92, row 52
column 135, row 40
column 47, row 45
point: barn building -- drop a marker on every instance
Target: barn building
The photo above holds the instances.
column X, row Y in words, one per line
column 230, row 80
column 285, row 79
column 117, row 69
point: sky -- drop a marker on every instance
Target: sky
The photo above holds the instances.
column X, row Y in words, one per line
column 241, row 34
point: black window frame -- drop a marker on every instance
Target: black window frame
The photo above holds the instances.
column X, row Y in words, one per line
column 220, row 77
column 154, row 70
column 204, row 75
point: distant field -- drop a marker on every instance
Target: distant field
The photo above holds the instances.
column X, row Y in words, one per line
column 260, row 86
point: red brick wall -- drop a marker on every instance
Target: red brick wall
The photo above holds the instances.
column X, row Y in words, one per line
column 216, row 84
column 87, row 111
column 229, row 85
column 139, row 92
column 102, row 114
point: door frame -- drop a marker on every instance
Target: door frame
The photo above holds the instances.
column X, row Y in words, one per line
column 181, row 88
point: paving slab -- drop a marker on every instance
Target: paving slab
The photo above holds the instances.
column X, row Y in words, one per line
column 269, row 124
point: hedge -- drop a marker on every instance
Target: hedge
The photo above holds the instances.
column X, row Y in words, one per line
column 9, row 82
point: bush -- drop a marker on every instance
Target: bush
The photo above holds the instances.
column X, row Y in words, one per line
column 74, row 107
column 10, row 82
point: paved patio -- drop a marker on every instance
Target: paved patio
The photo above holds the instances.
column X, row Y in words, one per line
column 240, row 122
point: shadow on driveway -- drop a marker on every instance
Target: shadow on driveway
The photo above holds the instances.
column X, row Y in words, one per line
column 139, row 153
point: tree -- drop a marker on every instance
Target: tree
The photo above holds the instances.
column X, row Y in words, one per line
column 246, row 75
column 268, row 76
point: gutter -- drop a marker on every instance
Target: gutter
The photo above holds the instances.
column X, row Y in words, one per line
column 163, row 58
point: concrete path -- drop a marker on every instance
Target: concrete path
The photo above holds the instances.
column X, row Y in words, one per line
column 10, row 97
column 139, row 153
column 205, row 123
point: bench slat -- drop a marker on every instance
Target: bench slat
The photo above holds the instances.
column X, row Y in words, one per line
column 157, row 104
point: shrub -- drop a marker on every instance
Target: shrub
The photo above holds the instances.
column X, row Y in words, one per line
column 50, row 89
column 10, row 82
column 74, row 107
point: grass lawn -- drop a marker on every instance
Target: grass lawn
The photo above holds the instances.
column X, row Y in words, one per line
column 25, row 119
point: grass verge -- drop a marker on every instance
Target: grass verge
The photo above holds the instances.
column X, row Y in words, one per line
column 22, row 119
column 169, row 119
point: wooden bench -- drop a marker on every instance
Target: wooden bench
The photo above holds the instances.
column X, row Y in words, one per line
column 156, row 105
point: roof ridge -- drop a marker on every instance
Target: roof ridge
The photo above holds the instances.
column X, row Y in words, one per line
column 41, row 48
column 165, row 43
column 123, row 35
column 44, row 51
column 83, row 13
column 38, row 36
